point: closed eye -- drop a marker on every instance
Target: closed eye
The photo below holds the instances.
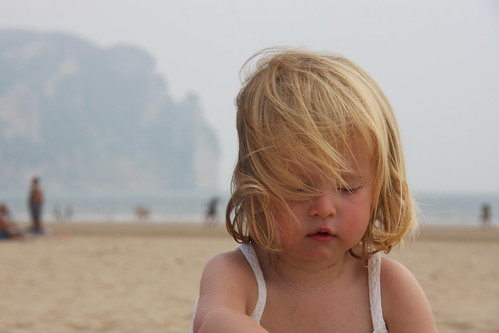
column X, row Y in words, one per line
column 348, row 190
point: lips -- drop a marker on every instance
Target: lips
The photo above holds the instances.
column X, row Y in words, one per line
column 323, row 235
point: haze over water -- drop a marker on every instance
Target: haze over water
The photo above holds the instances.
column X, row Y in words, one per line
column 436, row 61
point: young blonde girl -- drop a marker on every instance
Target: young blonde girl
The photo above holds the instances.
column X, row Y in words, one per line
column 319, row 190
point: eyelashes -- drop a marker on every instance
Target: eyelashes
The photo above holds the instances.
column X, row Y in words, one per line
column 348, row 190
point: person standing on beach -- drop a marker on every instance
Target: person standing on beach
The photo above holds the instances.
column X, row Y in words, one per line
column 319, row 190
column 486, row 215
column 35, row 203
column 211, row 212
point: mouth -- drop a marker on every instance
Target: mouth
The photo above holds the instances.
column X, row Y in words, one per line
column 322, row 235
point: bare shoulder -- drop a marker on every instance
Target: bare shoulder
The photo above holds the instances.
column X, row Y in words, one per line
column 226, row 268
column 404, row 303
column 225, row 261
column 227, row 283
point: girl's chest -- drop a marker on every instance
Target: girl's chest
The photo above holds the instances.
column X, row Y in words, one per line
column 339, row 310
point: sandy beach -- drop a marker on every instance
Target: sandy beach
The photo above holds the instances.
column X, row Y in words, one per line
column 102, row 277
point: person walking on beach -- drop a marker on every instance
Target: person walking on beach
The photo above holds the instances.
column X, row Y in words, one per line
column 211, row 212
column 486, row 215
column 35, row 202
column 318, row 192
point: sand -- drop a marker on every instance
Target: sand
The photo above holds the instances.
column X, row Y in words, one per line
column 144, row 277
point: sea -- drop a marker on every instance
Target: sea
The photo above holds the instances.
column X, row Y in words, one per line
column 436, row 209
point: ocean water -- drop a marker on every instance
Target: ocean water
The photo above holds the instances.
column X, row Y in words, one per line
column 119, row 206
column 456, row 208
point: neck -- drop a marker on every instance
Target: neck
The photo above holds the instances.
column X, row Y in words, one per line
column 304, row 275
column 306, row 269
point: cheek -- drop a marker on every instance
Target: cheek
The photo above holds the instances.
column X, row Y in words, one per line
column 286, row 222
column 280, row 218
column 359, row 211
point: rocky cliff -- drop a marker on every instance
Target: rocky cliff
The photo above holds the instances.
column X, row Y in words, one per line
column 87, row 117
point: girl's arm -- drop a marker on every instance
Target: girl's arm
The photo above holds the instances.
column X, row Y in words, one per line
column 228, row 292
column 405, row 306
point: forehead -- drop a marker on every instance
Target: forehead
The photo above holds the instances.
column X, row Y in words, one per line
column 351, row 162
column 359, row 158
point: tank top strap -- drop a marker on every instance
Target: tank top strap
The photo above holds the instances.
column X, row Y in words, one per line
column 250, row 254
column 374, row 268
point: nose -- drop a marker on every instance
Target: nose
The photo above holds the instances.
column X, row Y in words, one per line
column 324, row 205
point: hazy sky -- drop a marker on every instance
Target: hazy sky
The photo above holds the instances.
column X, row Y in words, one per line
column 437, row 61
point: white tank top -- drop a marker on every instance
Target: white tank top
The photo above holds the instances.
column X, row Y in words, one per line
column 374, row 287
column 374, row 266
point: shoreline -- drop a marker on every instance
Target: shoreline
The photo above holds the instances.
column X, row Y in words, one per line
column 193, row 229
column 143, row 229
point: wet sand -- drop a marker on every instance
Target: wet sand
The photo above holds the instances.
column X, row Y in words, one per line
column 109, row 277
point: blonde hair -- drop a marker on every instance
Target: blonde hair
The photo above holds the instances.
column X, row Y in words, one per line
column 298, row 109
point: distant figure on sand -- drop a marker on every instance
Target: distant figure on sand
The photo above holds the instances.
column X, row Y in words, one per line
column 211, row 212
column 8, row 229
column 142, row 213
column 61, row 215
column 68, row 213
column 486, row 215
column 35, row 202
column 57, row 213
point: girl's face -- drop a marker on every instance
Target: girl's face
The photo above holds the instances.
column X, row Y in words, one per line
column 332, row 223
